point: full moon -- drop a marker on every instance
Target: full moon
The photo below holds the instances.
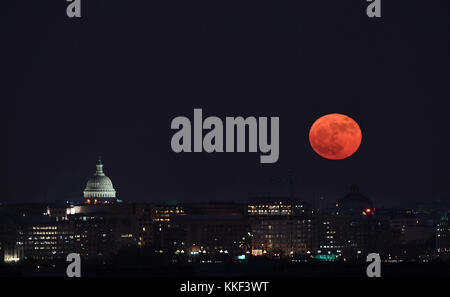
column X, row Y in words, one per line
column 335, row 136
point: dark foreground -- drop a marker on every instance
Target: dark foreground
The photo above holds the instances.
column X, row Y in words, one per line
column 255, row 268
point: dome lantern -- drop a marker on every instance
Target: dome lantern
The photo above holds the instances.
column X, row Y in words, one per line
column 99, row 166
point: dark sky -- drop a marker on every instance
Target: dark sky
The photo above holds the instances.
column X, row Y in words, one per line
column 111, row 82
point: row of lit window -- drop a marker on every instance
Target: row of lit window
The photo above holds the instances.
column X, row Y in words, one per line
column 44, row 228
column 43, row 233
column 161, row 220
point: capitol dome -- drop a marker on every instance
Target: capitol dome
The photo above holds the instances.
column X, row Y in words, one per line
column 99, row 186
column 355, row 202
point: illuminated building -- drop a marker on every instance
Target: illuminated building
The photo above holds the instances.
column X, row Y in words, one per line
column 281, row 228
column 99, row 188
column 13, row 254
column 28, row 232
column 11, row 250
column 168, row 233
column 218, row 229
column 38, row 238
column 348, row 230
column 207, row 230
column 220, row 234
column 269, row 209
column 46, row 241
column 443, row 236
column 144, row 215
column 102, row 230
column 341, row 235
column 163, row 212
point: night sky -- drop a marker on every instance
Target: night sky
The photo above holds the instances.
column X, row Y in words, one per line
column 111, row 82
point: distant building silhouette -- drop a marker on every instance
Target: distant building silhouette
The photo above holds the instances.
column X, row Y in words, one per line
column 443, row 236
column 285, row 228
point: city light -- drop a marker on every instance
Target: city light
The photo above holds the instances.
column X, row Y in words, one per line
column 12, row 259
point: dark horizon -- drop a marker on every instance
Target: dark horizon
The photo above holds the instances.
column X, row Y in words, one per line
column 111, row 82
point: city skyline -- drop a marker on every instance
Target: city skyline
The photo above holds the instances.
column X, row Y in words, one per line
column 285, row 188
column 186, row 238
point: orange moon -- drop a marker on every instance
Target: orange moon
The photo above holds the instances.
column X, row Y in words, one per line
column 335, row 136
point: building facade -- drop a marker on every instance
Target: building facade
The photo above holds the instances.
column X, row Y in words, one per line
column 280, row 228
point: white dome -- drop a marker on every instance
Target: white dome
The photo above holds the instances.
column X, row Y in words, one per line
column 99, row 186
